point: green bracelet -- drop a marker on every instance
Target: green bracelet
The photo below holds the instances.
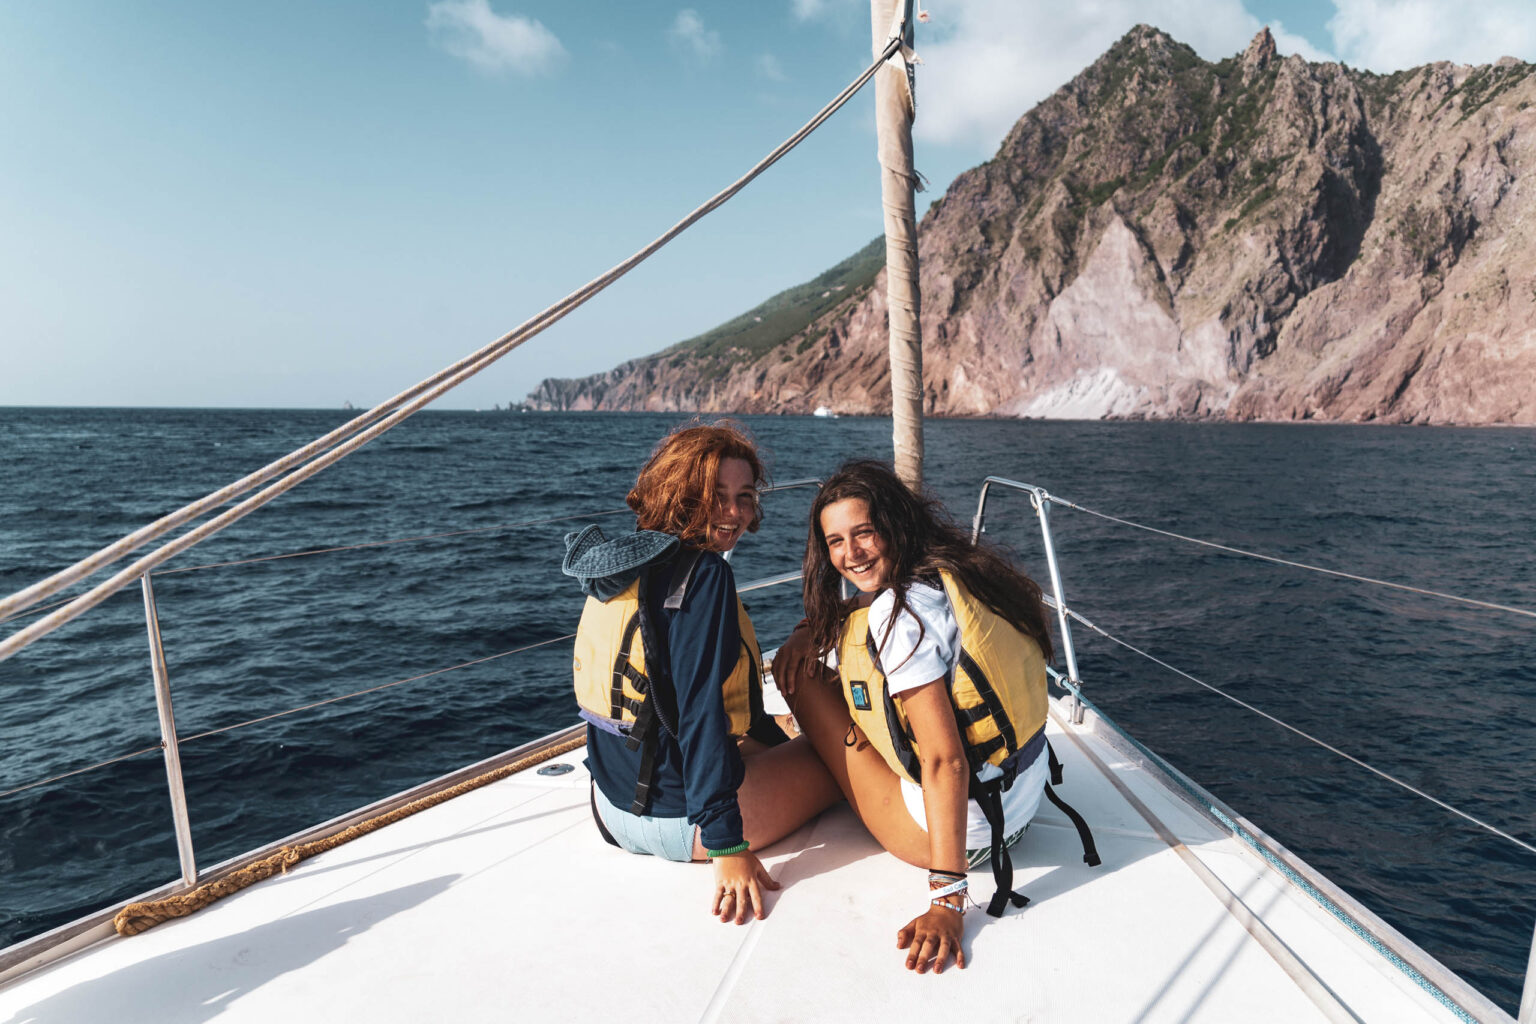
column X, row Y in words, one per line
column 740, row 847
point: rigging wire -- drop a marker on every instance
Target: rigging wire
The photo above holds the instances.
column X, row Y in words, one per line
column 38, row 610
column 1305, row 735
column 1295, row 565
column 373, row 689
column 344, row 547
column 387, row 543
column 423, row 393
column 290, row 711
column 791, row 485
column 82, row 771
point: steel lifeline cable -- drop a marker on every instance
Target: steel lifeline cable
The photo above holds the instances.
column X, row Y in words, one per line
column 137, row 917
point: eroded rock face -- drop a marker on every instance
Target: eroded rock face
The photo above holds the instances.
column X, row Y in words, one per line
column 1260, row 238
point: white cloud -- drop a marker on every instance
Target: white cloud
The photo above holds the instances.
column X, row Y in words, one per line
column 469, row 29
column 768, row 66
column 986, row 62
column 1287, row 42
column 1389, row 35
column 688, row 30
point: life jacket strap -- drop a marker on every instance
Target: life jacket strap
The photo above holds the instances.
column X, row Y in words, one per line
column 989, row 796
column 622, row 670
column 1055, row 764
column 602, row 829
column 643, row 738
column 1090, row 851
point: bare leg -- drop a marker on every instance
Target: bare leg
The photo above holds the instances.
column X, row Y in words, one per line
column 861, row 773
column 785, row 787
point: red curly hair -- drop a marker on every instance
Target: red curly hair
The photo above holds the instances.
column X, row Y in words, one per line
column 675, row 491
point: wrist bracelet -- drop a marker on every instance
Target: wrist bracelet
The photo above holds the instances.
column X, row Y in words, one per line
column 942, row 887
column 740, row 847
column 961, row 887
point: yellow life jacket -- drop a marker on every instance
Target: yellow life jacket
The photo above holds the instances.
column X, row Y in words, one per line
column 997, row 687
column 614, row 672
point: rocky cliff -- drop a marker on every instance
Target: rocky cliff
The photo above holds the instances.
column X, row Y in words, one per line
column 1260, row 238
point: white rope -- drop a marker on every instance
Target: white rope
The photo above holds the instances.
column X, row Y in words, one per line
column 1307, row 736
column 347, row 547
column 1296, row 565
column 386, row 543
column 418, row 397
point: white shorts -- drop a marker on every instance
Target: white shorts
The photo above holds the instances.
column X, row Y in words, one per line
column 1020, row 802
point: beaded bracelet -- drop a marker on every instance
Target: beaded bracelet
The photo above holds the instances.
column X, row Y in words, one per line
column 948, row 883
column 740, row 847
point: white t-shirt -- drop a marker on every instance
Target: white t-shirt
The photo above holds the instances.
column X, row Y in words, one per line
column 927, row 631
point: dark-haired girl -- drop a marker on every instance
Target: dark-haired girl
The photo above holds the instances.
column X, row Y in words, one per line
column 933, row 721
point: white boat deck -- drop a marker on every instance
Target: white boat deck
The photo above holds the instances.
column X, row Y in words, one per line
column 504, row 904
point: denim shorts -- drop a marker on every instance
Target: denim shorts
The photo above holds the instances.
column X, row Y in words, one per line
column 669, row 838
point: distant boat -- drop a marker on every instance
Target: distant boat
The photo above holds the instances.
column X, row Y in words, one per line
column 346, row 406
column 824, row 413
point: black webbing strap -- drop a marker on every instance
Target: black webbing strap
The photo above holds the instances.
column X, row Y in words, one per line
column 1090, row 851
column 1055, row 764
column 602, row 829
column 643, row 738
column 989, row 796
column 622, row 670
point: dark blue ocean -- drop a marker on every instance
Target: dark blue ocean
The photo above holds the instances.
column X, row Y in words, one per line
column 1438, row 694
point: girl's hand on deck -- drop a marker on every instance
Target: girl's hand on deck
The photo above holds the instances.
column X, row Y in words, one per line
column 740, row 880
column 933, row 938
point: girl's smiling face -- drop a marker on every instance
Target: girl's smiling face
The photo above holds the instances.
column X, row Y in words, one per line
column 735, row 504
column 855, row 548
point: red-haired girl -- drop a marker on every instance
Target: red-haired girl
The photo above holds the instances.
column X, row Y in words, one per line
column 685, row 764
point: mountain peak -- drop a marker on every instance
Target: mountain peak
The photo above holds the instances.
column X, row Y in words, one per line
column 1145, row 36
column 1259, row 53
column 1168, row 237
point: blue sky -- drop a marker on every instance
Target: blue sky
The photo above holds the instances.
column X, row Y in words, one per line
column 300, row 204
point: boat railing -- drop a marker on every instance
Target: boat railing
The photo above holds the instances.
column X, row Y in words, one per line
column 1042, row 501
column 265, row 484
column 1068, row 676
column 283, row 474
column 170, row 742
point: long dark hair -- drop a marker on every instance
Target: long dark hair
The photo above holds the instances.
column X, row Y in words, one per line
column 920, row 539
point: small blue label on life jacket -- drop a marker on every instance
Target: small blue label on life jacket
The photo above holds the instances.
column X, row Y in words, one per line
column 860, row 693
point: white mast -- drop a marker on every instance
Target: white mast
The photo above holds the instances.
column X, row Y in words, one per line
column 895, row 109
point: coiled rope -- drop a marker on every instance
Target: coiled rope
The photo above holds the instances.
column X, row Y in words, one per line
column 387, row 415
column 137, row 917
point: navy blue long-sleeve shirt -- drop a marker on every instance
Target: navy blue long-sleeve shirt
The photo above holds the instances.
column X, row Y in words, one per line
column 699, row 770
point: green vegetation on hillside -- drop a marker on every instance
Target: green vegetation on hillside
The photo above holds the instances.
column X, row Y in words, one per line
column 1483, row 84
column 780, row 318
